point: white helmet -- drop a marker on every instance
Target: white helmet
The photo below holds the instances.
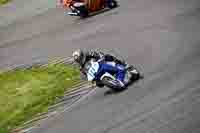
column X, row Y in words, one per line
column 77, row 55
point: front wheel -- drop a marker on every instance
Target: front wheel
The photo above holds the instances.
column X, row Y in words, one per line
column 112, row 84
column 99, row 84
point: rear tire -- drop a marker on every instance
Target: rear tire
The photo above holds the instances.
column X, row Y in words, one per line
column 135, row 75
column 83, row 12
column 112, row 4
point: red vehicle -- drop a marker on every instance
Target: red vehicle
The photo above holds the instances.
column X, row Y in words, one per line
column 84, row 8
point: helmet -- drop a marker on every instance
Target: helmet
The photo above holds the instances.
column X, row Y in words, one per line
column 78, row 56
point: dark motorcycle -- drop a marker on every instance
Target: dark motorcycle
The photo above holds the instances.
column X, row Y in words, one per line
column 84, row 9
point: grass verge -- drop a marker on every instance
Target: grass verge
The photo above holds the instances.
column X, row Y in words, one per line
column 25, row 93
column 4, row 1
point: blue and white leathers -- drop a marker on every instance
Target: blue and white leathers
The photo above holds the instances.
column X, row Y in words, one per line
column 119, row 70
column 91, row 74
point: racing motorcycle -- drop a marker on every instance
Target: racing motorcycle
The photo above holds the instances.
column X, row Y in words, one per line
column 83, row 10
column 108, row 79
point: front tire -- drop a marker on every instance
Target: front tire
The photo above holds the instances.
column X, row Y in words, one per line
column 107, row 81
column 99, row 84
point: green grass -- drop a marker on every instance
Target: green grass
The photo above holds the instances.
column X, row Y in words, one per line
column 4, row 1
column 25, row 93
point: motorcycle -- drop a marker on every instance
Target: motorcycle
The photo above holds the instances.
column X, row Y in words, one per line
column 108, row 79
column 84, row 9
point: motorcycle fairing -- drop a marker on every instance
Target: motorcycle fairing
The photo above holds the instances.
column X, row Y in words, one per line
column 93, row 69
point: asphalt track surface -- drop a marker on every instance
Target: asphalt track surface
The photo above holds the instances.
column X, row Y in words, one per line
column 161, row 37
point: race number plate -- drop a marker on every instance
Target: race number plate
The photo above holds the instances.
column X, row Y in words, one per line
column 92, row 71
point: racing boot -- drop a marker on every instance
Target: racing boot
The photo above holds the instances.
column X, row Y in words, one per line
column 72, row 13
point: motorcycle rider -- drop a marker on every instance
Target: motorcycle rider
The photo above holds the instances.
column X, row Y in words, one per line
column 76, row 4
column 82, row 56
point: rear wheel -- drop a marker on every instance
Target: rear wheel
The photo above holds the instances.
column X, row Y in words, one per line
column 135, row 74
column 112, row 4
column 83, row 12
